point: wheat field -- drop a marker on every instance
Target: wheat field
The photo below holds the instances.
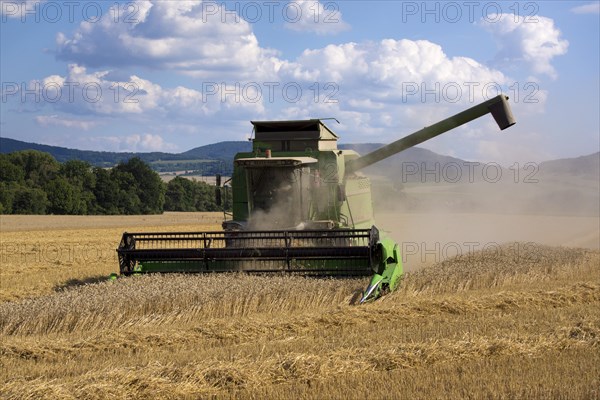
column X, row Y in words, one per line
column 517, row 321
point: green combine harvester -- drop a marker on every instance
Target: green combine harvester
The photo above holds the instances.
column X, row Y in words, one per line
column 300, row 205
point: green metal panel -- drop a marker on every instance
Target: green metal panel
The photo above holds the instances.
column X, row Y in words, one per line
column 358, row 205
column 239, row 193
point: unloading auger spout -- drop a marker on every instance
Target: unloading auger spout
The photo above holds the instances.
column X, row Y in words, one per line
column 498, row 106
column 299, row 206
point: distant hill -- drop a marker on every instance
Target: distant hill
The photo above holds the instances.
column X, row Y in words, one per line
column 219, row 156
column 217, row 151
column 414, row 154
column 584, row 166
column 62, row 154
column 220, row 153
column 418, row 165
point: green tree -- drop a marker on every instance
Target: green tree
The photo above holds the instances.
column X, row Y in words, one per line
column 6, row 197
column 10, row 172
column 62, row 197
column 29, row 201
column 127, row 196
column 83, row 181
column 106, row 192
column 38, row 167
column 205, row 199
column 149, row 188
column 33, row 182
column 186, row 195
column 179, row 195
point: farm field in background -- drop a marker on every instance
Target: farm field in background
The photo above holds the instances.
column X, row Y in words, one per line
column 516, row 321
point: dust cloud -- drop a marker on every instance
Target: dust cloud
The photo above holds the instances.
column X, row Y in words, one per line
column 435, row 220
column 279, row 209
column 277, row 217
column 439, row 218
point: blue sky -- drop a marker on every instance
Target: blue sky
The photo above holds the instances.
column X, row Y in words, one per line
column 173, row 75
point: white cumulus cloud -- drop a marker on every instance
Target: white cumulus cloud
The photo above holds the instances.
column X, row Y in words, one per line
column 591, row 8
column 390, row 66
column 314, row 16
column 55, row 120
column 146, row 142
column 136, row 142
column 180, row 36
column 95, row 93
column 534, row 41
column 382, row 84
column 376, row 88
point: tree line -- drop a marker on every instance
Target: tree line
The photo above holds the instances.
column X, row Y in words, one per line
column 33, row 182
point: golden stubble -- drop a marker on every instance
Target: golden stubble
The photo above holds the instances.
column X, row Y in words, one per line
column 515, row 321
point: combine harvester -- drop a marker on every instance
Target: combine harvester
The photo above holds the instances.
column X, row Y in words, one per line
column 299, row 206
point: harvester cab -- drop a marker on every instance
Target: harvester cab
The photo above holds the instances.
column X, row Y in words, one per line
column 299, row 205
